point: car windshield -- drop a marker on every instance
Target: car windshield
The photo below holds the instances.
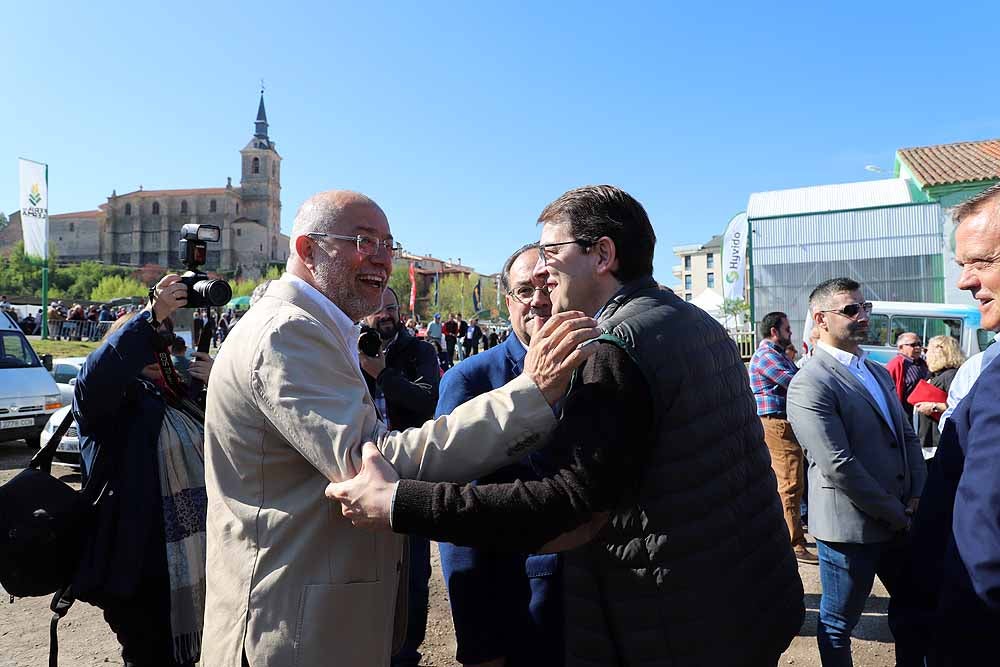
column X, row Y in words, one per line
column 16, row 353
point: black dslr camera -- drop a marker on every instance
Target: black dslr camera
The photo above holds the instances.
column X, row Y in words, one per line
column 202, row 290
column 369, row 342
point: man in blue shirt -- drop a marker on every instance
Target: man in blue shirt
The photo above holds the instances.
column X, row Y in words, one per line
column 771, row 371
column 506, row 607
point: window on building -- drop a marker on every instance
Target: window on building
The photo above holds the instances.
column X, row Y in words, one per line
column 255, row 166
column 128, row 209
column 156, row 208
column 711, row 279
column 710, row 261
column 184, row 208
column 71, row 226
column 239, row 232
column 262, row 247
column 687, row 263
column 687, row 296
column 274, row 169
column 687, row 282
column 237, row 208
column 211, row 206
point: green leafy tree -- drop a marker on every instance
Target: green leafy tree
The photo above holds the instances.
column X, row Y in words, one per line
column 242, row 287
column 4, row 221
column 115, row 287
column 400, row 282
column 734, row 310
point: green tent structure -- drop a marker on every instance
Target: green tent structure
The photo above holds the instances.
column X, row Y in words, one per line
column 239, row 303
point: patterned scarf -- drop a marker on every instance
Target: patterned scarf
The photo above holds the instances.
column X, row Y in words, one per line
column 182, row 487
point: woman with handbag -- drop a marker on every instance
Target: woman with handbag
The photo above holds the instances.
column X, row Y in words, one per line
column 144, row 559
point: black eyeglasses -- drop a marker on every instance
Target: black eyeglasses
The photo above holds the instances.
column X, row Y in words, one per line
column 544, row 249
column 525, row 293
column 916, row 344
column 852, row 310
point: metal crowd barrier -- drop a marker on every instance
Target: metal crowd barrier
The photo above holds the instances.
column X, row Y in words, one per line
column 78, row 330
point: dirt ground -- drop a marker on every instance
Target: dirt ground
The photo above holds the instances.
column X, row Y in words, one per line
column 85, row 640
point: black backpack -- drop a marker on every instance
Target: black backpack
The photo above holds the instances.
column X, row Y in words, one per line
column 43, row 524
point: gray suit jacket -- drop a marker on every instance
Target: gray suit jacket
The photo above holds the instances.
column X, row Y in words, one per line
column 861, row 475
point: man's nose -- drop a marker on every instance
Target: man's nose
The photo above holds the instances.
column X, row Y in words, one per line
column 967, row 280
column 541, row 272
column 382, row 258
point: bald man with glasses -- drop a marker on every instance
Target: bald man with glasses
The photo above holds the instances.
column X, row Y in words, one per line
column 908, row 367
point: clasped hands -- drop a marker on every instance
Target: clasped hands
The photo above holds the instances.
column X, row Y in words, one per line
column 556, row 350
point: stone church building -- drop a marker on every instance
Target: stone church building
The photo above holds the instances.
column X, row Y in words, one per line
column 143, row 227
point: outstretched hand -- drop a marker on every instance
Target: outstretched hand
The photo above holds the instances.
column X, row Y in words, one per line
column 366, row 499
column 557, row 349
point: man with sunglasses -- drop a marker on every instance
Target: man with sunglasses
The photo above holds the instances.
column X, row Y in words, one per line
column 663, row 501
column 289, row 581
column 908, row 367
column 506, row 606
column 866, row 469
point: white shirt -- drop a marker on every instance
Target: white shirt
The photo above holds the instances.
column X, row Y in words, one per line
column 348, row 329
column 856, row 366
column 967, row 376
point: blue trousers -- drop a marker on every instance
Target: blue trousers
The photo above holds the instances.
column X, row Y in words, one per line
column 847, row 574
column 416, row 619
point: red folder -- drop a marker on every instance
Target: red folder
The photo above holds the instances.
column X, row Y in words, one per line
column 926, row 392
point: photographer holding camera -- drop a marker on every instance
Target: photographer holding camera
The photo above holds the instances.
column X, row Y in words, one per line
column 402, row 376
column 144, row 558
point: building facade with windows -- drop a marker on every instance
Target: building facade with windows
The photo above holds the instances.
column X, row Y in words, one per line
column 143, row 227
column 697, row 270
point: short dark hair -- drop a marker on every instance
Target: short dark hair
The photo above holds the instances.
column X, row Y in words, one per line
column 975, row 205
column 771, row 321
column 178, row 344
column 826, row 289
column 594, row 211
column 393, row 293
column 505, row 273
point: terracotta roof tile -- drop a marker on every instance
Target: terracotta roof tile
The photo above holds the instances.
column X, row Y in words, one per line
column 947, row 164
column 181, row 193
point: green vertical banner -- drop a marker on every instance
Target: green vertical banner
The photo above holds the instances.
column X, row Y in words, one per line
column 34, row 202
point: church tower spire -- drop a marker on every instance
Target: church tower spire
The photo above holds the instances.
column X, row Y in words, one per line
column 260, row 125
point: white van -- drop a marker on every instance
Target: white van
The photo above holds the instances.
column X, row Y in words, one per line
column 28, row 393
column 889, row 319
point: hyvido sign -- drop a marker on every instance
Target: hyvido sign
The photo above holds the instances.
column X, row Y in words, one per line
column 34, row 208
column 734, row 257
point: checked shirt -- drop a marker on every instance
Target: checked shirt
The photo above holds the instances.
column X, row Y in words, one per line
column 770, row 374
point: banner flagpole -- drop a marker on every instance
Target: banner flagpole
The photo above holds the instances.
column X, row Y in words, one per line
column 33, row 198
column 45, row 266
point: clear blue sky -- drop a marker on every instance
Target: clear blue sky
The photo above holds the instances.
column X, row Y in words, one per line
column 464, row 119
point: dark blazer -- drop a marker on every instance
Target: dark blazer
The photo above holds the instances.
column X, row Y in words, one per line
column 500, row 601
column 954, row 577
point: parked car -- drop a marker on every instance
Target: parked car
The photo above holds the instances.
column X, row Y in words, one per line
column 68, row 451
column 28, row 394
column 64, row 372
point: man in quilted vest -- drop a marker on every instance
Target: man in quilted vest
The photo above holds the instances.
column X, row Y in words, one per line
column 677, row 552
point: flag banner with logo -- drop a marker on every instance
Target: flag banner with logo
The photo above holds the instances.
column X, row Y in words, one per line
column 34, row 208
column 734, row 257
column 477, row 296
column 413, row 290
column 437, row 279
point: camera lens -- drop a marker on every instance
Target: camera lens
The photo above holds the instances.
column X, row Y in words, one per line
column 214, row 292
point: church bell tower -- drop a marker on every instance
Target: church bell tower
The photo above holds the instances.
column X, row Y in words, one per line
column 260, row 184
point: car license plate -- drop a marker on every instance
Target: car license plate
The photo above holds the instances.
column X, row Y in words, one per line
column 70, row 446
column 17, row 423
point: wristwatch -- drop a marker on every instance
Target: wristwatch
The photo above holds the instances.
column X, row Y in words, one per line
column 150, row 319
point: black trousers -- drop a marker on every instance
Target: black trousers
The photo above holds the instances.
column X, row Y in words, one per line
column 142, row 625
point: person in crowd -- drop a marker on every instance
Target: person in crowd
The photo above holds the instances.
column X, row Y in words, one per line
column 435, row 336
column 105, row 314
column 952, row 610
column 866, row 470
column 506, row 607
column 4, row 303
column 178, row 355
column 494, row 338
column 664, row 492
column 908, row 367
column 450, row 327
column 28, row 324
column 403, row 381
column 144, row 559
column 463, row 329
column 411, row 326
column 197, row 322
column 470, row 339
column 792, row 353
column 944, row 358
column 771, row 372
column 290, row 581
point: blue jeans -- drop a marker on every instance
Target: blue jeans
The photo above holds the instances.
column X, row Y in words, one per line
column 416, row 618
column 847, row 574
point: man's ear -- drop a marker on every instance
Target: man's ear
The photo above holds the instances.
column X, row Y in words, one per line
column 304, row 250
column 607, row 255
